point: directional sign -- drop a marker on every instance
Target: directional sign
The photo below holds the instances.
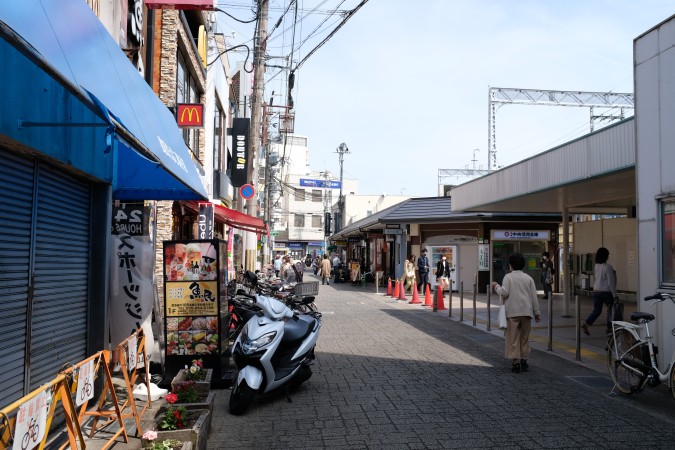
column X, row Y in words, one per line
column 247, row 191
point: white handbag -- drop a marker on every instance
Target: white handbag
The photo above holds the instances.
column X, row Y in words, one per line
column 501, row 318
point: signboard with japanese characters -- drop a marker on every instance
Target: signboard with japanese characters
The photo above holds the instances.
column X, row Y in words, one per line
column 484, row 257
column 520, row 235
column 131, row 271
column 31, row 423
column 195, row 274
column 85, row 383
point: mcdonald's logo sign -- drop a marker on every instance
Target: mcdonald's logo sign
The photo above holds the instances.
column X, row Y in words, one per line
column 190, row 115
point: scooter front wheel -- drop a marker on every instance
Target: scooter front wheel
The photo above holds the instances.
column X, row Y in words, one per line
column 241, row 398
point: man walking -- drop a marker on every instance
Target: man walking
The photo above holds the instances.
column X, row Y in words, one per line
column 423, row 269
column 325, row 270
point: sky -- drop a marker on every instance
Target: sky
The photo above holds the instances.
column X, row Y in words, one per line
column 404, row 84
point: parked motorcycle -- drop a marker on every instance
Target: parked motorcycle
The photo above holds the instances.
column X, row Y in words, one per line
column 273, row 350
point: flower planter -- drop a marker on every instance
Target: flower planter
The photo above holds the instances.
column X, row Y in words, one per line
column 187, row 445
column 203, row 386
column 196, row 435
column 206, row 402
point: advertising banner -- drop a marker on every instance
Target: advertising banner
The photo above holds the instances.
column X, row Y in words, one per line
column 131, row 273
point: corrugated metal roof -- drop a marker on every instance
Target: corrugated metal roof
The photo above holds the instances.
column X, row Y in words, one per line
column 596, row 170
column 420, row 210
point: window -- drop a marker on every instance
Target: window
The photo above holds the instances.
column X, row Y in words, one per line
column 299, row 195
column 316, row 195
column 316, row 221
column 668, row 242
column 218, row 128
column 299, row 221
column 187, row 92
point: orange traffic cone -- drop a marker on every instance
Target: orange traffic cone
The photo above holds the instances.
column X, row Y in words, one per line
column 396, row 293
column 440, row 305
column 401, row 293
column 415, row 298
column 389, row 291
column 427, row 297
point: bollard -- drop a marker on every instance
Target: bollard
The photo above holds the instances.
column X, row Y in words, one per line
column 489, row 327
column 435, row 307
column 461, row 301
column 377, row 282
column 450, row 301
column 475, row 288
column 577, row 313
column 550, row 321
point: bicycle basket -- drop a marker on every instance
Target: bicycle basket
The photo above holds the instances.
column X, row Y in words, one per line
column 307, row 288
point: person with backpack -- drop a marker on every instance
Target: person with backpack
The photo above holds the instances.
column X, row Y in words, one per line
column 287, row 274
column 547, row 272
column 325, row 269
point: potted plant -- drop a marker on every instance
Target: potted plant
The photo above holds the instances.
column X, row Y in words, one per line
column 186, row 394
column 150, row 441
column 197, row 373
column 178, row 423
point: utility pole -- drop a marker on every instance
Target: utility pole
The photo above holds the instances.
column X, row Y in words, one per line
column 341, row 150
column 256, row 120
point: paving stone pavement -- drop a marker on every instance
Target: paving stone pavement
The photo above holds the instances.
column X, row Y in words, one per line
column 399, row 376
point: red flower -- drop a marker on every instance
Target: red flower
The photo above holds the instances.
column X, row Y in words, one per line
column 171, row 398
column 176, row 414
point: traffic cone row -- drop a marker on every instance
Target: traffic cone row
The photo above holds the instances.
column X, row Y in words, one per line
column 401, row 293
column 440, row 306
column 396, row 290
column 427, row 297
column 415, row 297
column 389, row 291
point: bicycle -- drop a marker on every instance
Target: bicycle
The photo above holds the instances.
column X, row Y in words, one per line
column 631, row 358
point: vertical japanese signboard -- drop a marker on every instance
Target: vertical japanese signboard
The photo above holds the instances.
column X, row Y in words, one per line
column 131, row 270
column 195, row 274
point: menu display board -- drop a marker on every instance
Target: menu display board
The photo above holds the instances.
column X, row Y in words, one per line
column 195, row 296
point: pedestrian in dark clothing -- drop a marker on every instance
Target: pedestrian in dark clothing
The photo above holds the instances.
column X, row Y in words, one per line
column 604, row 288
column 547, row 271
column 423, row 270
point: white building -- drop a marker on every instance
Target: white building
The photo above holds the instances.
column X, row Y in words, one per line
column 653, row 54
column 301, row 199
column 358, row 207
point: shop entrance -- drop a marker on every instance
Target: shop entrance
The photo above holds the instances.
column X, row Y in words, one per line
column 531, row 251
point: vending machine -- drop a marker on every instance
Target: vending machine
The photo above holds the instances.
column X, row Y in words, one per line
column 196, row 314
column 436, row 253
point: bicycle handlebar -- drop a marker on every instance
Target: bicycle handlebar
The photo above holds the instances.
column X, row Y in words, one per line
column 659, row 297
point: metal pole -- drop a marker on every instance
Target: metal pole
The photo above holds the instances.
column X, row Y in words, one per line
column 377, row 282
column 564, row 268
column 461, row 301
column 577, row 313
column 450, row 300
column 341, row 150
column 550, row 321
column 489, row 325
column 475, row 288
column 435, row 302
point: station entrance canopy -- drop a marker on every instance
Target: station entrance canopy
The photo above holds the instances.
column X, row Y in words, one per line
column 79, row 85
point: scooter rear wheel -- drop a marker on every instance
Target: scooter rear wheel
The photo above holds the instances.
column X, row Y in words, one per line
column 241, row 398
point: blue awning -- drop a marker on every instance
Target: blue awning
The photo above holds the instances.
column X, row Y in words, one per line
column 152, row 161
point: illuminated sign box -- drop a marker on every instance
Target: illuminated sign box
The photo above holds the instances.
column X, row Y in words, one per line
column 190, row 115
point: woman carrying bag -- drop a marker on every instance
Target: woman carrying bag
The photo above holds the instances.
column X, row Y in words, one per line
column 521, row 303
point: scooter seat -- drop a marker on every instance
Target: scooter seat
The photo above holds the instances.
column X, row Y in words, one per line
column 297, row 329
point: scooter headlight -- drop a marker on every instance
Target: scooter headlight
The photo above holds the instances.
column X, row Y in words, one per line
column 253, row 345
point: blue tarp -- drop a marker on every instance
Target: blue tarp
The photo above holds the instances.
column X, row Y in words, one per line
column 71, row 39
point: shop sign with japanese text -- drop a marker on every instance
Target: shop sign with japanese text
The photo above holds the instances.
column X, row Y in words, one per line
column 520, row 235
column 191, row 298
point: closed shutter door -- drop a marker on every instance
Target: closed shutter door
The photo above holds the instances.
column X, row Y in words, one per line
column 61, row 286
column 16, row 198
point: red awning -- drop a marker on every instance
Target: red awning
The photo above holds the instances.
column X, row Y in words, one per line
column 239, row 220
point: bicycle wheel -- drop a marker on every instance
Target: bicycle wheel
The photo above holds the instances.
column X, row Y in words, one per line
column 620, row 347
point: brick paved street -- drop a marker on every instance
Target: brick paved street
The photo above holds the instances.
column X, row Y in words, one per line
column 393, row 375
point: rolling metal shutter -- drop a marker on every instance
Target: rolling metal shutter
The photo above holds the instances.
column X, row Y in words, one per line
column 16, row 196
column 44, row 220
column 61, row 292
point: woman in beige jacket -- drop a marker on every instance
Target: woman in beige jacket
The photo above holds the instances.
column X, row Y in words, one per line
column 519, row 294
